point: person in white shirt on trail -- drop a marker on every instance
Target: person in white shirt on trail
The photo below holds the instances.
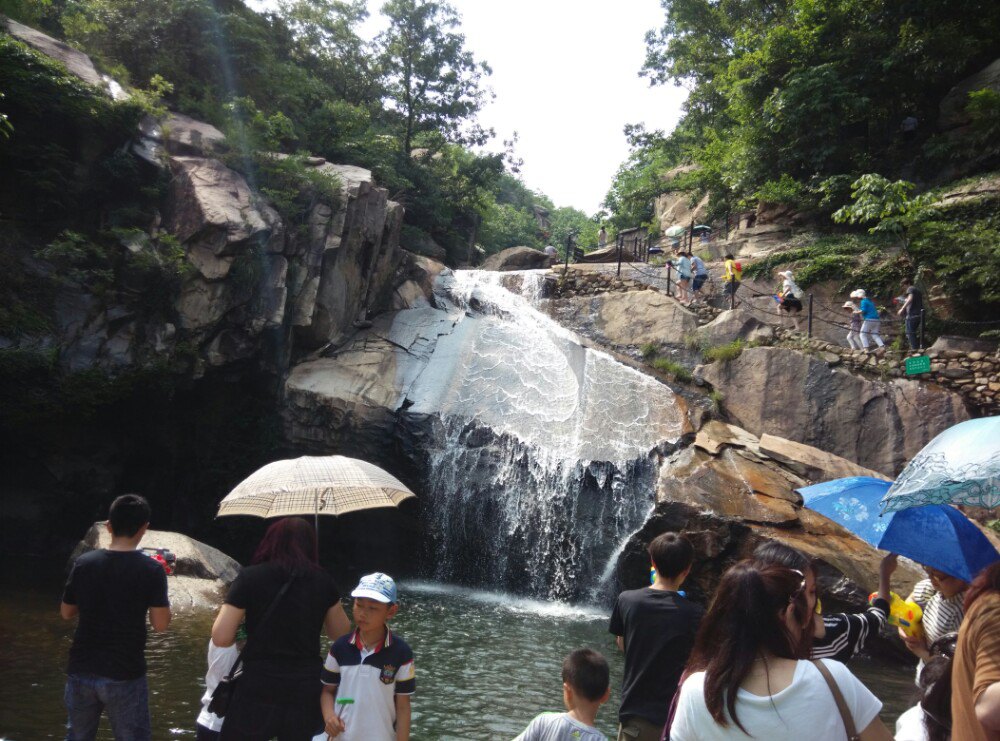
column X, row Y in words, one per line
column 586, row 686
column 748, row 677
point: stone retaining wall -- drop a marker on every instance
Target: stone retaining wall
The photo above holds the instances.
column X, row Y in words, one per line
column 587, row 284
column 975, row 375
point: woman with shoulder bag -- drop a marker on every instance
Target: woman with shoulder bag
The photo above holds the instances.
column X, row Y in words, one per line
column 286, row 598
column 749, row 675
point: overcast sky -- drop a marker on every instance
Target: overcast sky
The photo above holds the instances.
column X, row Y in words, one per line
column 565, row 74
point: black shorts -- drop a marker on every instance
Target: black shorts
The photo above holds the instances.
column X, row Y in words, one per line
column 699, row 281
column 791, row 304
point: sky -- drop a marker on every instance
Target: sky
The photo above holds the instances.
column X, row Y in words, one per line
column 565, row 75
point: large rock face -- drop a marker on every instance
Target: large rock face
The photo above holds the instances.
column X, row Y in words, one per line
column 728, row 496
column 676, row 207
column 626, row 319
column 76, row 61
column 517, row 258
column 201, row 573
column 952, row 111
column 878, row 424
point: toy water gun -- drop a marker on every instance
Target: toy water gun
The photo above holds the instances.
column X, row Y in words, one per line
column 904, row 614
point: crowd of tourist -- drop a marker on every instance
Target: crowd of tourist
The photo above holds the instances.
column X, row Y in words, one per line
column 761, row 662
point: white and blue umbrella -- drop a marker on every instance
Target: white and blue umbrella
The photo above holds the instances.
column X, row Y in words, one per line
column 959, row 466
column 853, row 503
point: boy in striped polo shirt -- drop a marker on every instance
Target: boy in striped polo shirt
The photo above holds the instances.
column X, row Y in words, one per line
column 372, row 668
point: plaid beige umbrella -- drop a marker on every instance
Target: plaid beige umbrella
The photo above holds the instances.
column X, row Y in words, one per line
column 312, row 485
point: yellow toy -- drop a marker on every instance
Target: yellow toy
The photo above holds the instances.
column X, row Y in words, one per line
column 904, row 614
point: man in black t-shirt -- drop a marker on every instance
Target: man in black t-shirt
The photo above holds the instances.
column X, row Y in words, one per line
column 655, row 627
column 112, row 590
column 912, row 309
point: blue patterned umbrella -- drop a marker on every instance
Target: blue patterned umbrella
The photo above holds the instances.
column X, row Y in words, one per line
column 959, row 466
column 852, row 502
column 941, row 537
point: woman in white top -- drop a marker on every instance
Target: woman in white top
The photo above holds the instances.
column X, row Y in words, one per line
column 748, row 679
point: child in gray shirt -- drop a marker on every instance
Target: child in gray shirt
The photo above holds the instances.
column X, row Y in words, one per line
column 586, row 687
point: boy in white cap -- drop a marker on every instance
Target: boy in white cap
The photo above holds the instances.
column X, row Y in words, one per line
column 369, row 673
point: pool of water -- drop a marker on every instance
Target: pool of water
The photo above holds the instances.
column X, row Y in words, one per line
column 486, row 663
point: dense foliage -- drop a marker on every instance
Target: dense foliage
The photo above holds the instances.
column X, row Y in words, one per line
column 299, row 78
column 795, row 99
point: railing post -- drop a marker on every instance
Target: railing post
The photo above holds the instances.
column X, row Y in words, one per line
column 922, row 343
column 732, row 294
column 569, row 241
column 670, row 265
column 621, row 242
column 810, row 330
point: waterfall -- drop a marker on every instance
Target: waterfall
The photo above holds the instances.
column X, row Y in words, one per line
column 541, row 451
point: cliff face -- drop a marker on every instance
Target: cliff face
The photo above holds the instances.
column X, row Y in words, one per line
column 110, row 387
column 252, row 287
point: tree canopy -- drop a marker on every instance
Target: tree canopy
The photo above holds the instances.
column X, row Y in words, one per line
column 811, row 90
column 299, row 78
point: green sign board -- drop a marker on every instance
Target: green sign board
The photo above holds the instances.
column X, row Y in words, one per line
column 919, row 364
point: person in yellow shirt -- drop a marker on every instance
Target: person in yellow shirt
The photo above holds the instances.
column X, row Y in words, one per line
column 731, row 277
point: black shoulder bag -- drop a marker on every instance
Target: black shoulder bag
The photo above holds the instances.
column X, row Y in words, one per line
column 224, row 690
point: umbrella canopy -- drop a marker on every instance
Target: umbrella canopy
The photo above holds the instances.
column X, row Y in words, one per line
column 852, row 503
column 327, row 485
column 702, row 228
column 941, row 537
column 959, row 466
column 676, row 230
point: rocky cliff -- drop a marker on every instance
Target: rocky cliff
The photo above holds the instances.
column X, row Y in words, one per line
column 254, row 286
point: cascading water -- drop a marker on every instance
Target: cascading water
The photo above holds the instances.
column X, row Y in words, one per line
column 541, row 452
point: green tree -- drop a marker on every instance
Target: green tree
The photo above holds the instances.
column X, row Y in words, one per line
column 889, row 206
column 433, row 82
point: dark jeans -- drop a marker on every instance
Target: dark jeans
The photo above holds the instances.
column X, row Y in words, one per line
column 265, row 707
column 913, row 331
column 206, row 734
column 127, row 703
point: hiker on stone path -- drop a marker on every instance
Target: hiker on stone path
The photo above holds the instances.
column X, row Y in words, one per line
column 111, row 591
column 700, row 275
column 685, row 273
column 732, row 276
column 748, row 675
column 655, row 627
column 854, row 331
column 912, row 309
column 602, row 237
column 870, row 323
column 790, row 298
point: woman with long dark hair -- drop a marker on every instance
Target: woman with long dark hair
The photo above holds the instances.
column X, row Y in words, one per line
column 840, row 635
column 975, row 691
column 749, row 675
column 286, row 598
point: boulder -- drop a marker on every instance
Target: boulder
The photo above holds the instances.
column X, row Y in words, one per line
column 734, row 324
column 517, row 258
column 877, row 424
column 423, row 244
column 215, row 215
column 201, row 573
column 812, row 463
column 676, row 207
column 952, row 113
column 715, row 435
column 730, row 502
column 75, row 61
column 627, row 319
column 186, row 136
column 962, row 345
